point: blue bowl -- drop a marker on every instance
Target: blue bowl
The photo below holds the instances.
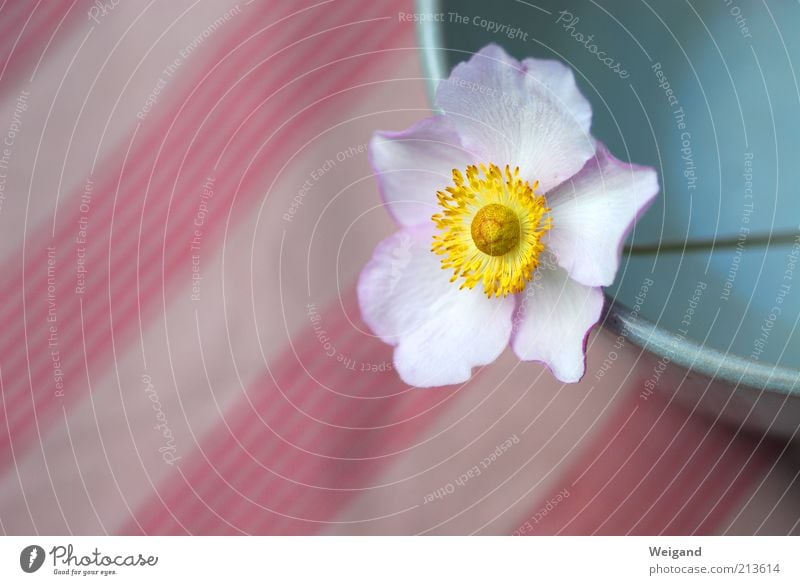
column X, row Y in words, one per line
column 709, row 97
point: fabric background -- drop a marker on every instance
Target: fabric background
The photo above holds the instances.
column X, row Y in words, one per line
column 212, row 374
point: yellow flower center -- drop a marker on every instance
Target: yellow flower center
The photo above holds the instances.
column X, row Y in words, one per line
column 491, row 229
column 495, row 229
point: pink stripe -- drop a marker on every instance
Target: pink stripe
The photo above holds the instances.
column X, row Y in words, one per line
column 286, row 371
column 37, row 29
column 157, row 213
column 17, row 20
column 739, row 470
column 71, row 18
column 289, row 412
column 97, row 253
column 623, row 459
column 648, row 507
column 327, row 442
column 25, row 22
column 641, row 460
column 94, row 308
column 229, row 460
column 139, row 164
column 238, row 470
column 309, row 354
column 323, row 405
column 324, row 471
column 90, row 352
column 91, row 305
column 697, row 467
column 10, row 11
column 686, row 476
column 618, row 488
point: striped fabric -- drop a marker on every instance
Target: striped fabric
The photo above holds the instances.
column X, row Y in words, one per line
column 186, row 204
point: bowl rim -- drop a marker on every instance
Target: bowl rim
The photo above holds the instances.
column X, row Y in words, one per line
column 687, row 353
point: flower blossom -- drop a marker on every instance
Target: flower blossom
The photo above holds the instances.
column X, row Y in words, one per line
column 512, row 218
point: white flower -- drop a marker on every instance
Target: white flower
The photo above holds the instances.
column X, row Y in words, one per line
column 512, row 219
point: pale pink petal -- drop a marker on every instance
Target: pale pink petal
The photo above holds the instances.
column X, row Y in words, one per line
column 414, row 164
column 593, row 213
column 553, row 320
column 505, row 114
column 441, row 332
column 559, row 80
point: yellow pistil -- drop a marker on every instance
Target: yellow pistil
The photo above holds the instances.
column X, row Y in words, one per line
column 495, row 229
column 491, row 229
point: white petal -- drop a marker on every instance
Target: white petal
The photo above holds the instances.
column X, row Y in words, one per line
column 441, row 332
column 593, row 213
column 414, row 164
column 507, row 115
column 553, row 321
column 559, row 80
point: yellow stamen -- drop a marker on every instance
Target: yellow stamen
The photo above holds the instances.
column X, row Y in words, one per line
column 492, row 226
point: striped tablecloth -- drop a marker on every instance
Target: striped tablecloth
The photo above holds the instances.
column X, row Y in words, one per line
column 186, row 202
